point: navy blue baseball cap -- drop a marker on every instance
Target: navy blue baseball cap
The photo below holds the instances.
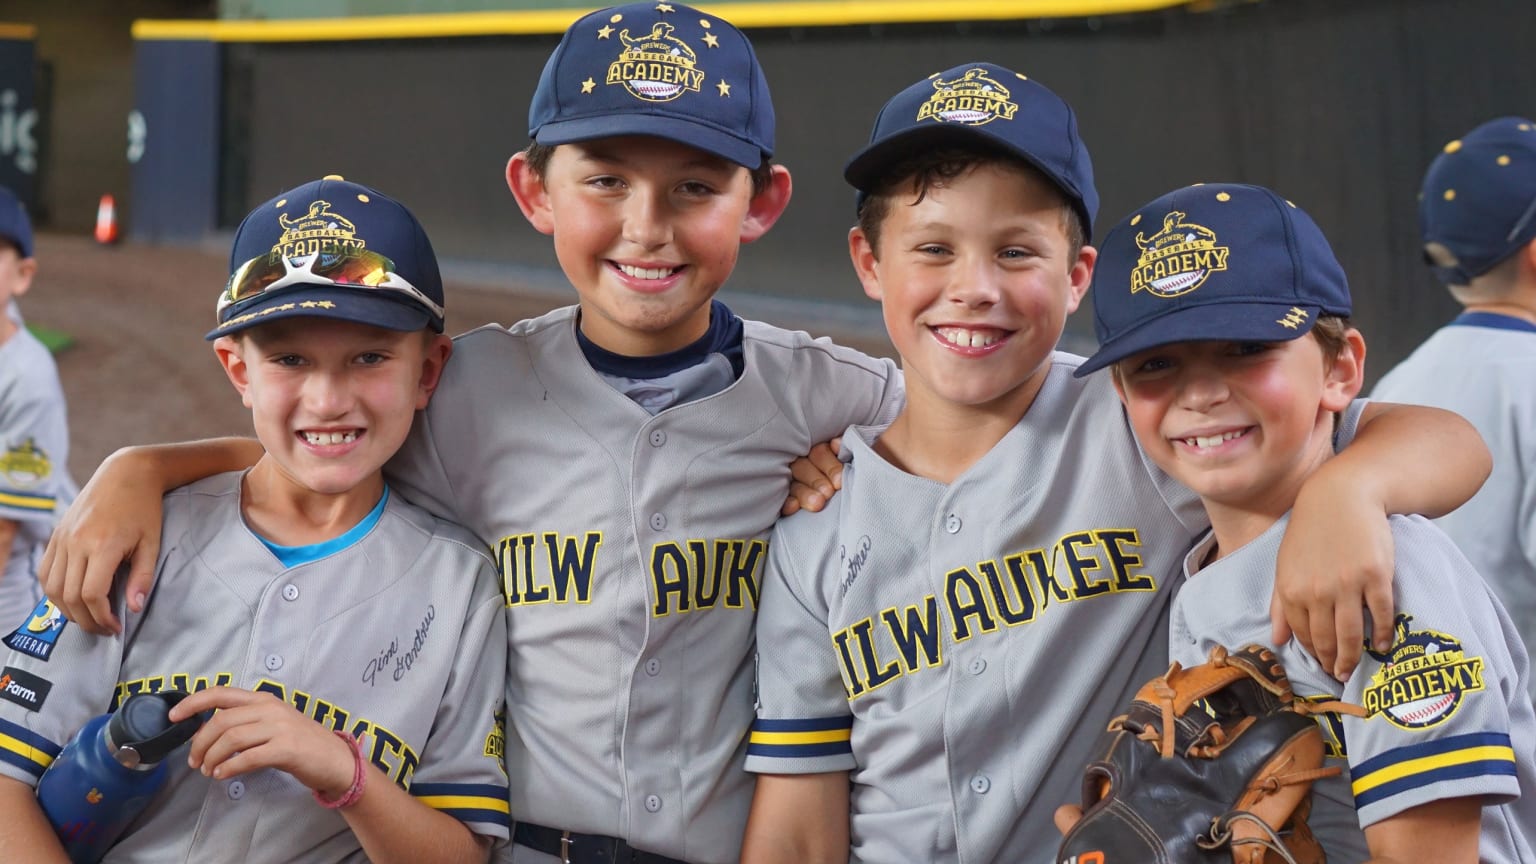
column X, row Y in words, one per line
column 1216, row 261
column 981, row 102
column 1477, row 206
column 14, row 224
column 660, row 69
column 332, row 249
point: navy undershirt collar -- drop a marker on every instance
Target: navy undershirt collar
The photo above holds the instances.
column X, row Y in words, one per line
column 723, row 337
column 1493, row 320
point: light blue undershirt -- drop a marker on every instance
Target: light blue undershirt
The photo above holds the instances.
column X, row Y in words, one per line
column 293, row 556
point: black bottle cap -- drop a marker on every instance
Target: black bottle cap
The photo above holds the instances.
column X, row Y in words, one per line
column 141, row 733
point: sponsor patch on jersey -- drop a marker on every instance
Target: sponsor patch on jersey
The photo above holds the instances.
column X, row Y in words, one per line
column 654, row 66
column 1177, row 259
column 973, row 99
column 40, row 633
column 24, row 466
column 23, row 688
column 1423, row 679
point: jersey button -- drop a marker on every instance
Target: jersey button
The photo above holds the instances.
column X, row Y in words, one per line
column 653, row 803
column 658, row 438
column 980, row 784
column 658, row 522
column 236, row 790
column 977, row 666
column 290, row 593
column 653, row 667
column 952, row 524
column 274, row 662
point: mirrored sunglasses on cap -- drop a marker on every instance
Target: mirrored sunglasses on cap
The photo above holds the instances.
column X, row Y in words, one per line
column 344, row 266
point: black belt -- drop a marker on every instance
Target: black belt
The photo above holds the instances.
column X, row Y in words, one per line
column 573, row 848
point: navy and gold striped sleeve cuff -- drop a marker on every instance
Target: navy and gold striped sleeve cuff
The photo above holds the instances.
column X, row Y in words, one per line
column 797, row 739
column 467, row 802
column 1459, row 757
column 29, row 502
column 25, row 749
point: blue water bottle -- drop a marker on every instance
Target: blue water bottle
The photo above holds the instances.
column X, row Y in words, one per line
column 108, row 773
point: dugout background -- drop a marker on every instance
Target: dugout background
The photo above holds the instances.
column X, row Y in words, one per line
column 1338, row 106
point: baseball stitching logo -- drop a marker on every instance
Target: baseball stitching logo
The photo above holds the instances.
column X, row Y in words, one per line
column 317, row 229
column 1177, row 259
column 25, row 466
column 656, row 67
column 1423, row 679
column 973, row 99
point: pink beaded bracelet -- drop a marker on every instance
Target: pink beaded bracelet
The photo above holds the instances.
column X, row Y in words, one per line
column 359, row 774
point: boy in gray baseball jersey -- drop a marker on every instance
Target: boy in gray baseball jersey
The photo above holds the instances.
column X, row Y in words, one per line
column 1477, row 212
column 35, row 485
column 938, row 646
column 352, row 645
column 626, row 458
column 1202, row 302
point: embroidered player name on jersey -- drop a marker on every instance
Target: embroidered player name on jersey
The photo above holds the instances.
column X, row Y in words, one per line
column 992, row 595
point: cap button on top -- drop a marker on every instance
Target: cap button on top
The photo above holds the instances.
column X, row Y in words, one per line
column 333, row 177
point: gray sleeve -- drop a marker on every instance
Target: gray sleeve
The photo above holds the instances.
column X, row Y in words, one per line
column 417, row 470
column 803, row 721
column 843, row 388
column 462, row 771
column 34, row 454
column 1438, row 721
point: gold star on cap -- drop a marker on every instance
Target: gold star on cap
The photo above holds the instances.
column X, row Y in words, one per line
column 711, row 40
column 326, row 304
column 1503, row 160
column 1453, row 147
column 587, row 85
column 663, row 7
column 1222, row 196
column 605, row 32
column 1450, row 194
column 309, row 304
column 725, row 89
column 1136, row 220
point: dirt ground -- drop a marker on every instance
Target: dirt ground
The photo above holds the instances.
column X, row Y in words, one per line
column 139, row 370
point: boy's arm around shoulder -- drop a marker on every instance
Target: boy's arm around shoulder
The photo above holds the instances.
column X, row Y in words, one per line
column 25, row 834
column 117, row 518
column 1336, row 557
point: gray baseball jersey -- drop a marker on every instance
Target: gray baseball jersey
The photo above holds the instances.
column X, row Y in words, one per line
column 631, row 548
column 395, row 637
column 958, row 648
column 1482, row 367
column 35, row 485
column 1448, row 714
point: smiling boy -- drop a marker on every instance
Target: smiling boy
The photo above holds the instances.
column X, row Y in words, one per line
column 938, row 647
column 1233, row 378
column 624, row 458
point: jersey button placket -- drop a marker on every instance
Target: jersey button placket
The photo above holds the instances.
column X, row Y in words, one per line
column 658, row 522
column 980, row 784
column 273, row 662
column 653, row 667
column 290, row 592
column 235, row 790
column 658, row 438
column 952, row 524
column 653, row 803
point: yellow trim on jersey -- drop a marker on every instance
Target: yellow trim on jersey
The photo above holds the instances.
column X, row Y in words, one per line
column 466, row 802
column 1399, row 770
column 41, row 503
column 25, row 750
column 819, row 736
column 784, row 13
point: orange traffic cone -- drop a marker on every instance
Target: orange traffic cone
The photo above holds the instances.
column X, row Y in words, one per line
column 106, row 221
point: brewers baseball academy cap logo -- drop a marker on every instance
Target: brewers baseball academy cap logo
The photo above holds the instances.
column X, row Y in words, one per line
column 37, row 637
column 1423, row 678
column 973, row 99
column 23, row 688
column 317, row 229
column 1177, row 259
column 656, row 67
column 24, row 465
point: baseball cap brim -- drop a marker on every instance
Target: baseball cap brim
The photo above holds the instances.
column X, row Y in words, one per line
column 868, row 166
column 698, row 134
column 372, row 307
column 1218, row 322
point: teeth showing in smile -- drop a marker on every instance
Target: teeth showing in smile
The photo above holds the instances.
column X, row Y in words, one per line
column 323, row 438
column 1205, row 443
column 647, row 272
column 965, row 338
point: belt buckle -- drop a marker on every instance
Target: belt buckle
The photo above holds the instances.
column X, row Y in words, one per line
column 565, row 847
